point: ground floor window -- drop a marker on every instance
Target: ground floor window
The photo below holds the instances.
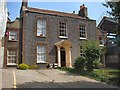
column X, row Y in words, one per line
column 81, row 51
column 41, row 54
column 11, row 57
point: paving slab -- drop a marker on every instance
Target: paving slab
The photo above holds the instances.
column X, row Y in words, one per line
column 47, row 78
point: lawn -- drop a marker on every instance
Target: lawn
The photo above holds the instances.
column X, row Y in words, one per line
column 110, row 76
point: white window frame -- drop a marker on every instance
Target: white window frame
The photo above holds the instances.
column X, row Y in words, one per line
column 11, row 56
column 41, row 27
column 40, row 58
column 82, row 29
column 13, row 35
column 63, row 30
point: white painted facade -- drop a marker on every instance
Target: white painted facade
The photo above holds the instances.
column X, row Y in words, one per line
column 3, row 20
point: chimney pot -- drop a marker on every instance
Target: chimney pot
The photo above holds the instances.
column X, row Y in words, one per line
column 73, row 11
column 83, row 11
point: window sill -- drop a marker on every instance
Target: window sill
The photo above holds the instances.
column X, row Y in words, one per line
column 41, row 36
column 62, row 37
column 83, row 38
column 41, row 62
column 12, row 40
column 12, row 64
column 101, row 45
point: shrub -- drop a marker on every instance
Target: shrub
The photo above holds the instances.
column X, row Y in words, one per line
column 92, row 52
column 97, row 64
column 23, row 66
column 79, row 63
column 34, row 66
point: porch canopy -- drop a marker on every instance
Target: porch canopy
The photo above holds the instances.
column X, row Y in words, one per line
column 67, row 45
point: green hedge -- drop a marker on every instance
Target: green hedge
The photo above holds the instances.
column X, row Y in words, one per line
column 23, row 66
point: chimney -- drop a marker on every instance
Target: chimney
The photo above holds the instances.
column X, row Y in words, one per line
column 24, row 5
column 83, row 11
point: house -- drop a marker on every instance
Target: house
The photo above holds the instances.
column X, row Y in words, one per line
column 108, row 32
column 48, row 37
column 11, row 43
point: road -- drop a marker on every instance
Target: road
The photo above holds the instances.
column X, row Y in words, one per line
column 47, row 78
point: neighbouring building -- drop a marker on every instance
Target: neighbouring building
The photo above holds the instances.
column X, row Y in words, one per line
column 48, row 37
column 3, row 20
column 107, row 34
column 11, row 43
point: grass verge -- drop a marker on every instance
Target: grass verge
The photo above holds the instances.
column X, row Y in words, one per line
column 110, row 76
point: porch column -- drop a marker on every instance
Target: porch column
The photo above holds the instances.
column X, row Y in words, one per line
column 59, row 61
column 70, row 65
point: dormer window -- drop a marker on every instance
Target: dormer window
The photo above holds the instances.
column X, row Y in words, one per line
column 41, row 27
column 12, row 35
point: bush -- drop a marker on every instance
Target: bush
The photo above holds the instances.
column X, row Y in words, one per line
column 79, row 63
column 23, row 66
column 92, row 52
column 34, row 66
column 97, row 64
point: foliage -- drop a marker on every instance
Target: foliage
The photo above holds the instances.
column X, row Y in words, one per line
column 97, row 64
column 79, row 63
column 92, row 52
column 115, row 12
column 34, row 66
column 115, row 8
column 23, row 66
column 110, row 76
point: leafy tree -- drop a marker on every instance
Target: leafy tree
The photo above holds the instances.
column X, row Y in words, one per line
column 92, row 52
column 115, row 12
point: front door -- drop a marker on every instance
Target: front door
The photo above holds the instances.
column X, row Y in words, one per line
column 63, row 57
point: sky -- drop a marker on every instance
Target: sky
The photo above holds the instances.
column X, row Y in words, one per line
column 95, row 9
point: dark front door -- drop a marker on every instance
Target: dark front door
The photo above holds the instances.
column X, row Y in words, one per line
column 63, row 57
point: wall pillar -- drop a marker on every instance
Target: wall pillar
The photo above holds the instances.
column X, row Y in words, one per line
column 59, row 60
column 70, row 62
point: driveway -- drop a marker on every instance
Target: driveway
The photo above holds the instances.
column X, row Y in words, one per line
column 47, row 78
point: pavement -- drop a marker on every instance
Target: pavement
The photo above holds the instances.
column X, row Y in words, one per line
column 47, row 78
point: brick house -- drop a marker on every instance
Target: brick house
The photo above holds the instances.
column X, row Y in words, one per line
column 48, row 37
column 11, row 43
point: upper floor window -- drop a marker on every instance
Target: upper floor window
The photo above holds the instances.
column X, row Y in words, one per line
column 41, row 27
column 41, row 53
column 13, row 35
column 62, row 30
column 82, row 31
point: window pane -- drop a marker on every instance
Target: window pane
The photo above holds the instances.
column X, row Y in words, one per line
column 82, row 31
column 41, row 53
column 41, row 27
column 12, row 35
column 11, row 56
column 63, row 29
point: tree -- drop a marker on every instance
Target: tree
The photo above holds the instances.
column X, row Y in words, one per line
column 92, row 52
column 115, row 12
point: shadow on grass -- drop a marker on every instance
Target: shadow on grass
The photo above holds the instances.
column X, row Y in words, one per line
column 109, row 76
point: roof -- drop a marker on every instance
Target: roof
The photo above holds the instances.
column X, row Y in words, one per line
column 108, row 24
column 107, row 19
column 63, row 42
column 56, row 13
